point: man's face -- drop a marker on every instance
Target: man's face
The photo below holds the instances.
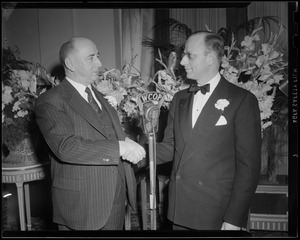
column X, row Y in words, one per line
column 194, row 60
column 86, row 61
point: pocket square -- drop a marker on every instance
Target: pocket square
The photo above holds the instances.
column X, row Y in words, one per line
column 222, row 121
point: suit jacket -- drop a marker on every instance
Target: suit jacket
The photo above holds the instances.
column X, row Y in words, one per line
column 84, row 160
column 216, row 168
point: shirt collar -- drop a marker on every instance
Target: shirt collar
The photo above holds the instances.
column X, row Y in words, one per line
column 214, row 82
column 79, row 87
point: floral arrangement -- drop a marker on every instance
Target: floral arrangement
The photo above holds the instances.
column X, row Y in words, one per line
column 122, row 88
column 166, row 81
column 257, row 68
column 22, row 83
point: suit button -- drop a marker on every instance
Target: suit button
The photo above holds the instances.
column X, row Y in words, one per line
column 177, row 177
column 200, row 183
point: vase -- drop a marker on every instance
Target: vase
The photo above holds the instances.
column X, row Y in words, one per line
column 23, row 155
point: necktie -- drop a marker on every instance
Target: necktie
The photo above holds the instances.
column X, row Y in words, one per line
column 195, row 88
column 92, row 101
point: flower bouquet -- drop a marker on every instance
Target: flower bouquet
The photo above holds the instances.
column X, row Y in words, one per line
column 166, row 81
column 22, row 83
column 256, row 67
column 122, row 88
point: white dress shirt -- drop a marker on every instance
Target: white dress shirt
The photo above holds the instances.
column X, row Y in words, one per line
column 200, row 99
column 81, row 89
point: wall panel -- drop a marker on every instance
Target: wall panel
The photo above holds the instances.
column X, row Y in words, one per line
column 21, row 29
column 54, row 28
column 98, row 24
column 39, row 33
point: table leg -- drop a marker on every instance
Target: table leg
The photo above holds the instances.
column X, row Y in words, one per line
column 27, row 205
column 21, row 205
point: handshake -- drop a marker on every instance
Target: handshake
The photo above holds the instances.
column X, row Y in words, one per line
column 131, row 151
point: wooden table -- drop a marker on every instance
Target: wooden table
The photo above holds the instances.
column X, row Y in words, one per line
column 21, row 176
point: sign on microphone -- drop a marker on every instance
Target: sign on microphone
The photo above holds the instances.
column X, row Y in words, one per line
column 152, row 96
column 149, row 106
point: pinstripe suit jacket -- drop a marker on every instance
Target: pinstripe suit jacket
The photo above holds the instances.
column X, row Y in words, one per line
column 84, row 161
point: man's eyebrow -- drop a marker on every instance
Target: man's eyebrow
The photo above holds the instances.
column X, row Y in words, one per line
column 94, row 54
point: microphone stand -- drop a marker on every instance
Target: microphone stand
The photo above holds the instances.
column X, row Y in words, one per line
column 152, row 167
column 149, row 110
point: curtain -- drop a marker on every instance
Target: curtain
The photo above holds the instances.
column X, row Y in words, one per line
column 137, row 24
column 197, row 19
column 279, row 9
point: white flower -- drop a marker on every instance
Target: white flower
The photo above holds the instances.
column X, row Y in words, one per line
column 6, row 95
column 21, row 113
column 104, row 87
column 221, row 104
column 112, row 101
column 16, row 106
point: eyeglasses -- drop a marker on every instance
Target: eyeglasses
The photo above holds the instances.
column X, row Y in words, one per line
column 189, row 55
column 192, row 56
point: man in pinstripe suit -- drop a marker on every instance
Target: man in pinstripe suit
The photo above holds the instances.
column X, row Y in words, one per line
column 91, row 158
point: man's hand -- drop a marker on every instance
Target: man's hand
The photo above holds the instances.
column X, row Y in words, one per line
column 131, row 151
column 228, row 226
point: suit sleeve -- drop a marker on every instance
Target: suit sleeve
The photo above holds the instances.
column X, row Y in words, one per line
column 248, row 160
column 165, row 149
column 58, row 131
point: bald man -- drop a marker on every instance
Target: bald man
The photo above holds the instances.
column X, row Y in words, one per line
column 91, row 159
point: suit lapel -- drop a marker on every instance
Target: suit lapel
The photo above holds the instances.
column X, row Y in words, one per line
column 185, row 115
column 205, row 122
column 112, row 114
column 81, row 106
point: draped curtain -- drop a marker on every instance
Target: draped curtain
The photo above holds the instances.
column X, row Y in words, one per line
column 279, row 9
column 137, row 24
column 197, row 19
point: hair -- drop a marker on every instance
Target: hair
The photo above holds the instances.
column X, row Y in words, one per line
column 65, row 49
column 213, row 43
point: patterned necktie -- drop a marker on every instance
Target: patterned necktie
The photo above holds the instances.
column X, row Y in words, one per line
column 195, row 88
column 92, row 101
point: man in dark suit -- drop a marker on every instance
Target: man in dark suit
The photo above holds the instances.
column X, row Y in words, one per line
column 213, row 136
column 88, row 148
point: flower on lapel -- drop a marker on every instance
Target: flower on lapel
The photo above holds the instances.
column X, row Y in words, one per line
column 221, row 104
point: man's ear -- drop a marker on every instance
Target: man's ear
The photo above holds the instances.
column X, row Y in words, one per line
column 211, row 58
column 69, row 64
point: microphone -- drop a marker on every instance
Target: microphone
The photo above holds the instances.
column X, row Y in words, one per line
column 149, row 105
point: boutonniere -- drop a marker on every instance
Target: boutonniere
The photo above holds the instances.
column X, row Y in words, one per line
column 221, row 104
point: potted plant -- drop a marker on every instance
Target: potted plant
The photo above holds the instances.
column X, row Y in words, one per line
column 22, row 83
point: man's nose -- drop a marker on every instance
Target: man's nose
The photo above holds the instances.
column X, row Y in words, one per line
column 98, row 62
column 183, row 61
